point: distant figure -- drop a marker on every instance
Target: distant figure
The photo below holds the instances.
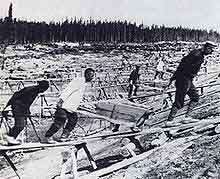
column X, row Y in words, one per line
column 186, row 71
column 3, row 50
column 20, row 103
column 67, row 105
column 160, row 69
column 134, row 81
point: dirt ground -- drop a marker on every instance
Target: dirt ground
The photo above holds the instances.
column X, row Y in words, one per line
column 198, row 158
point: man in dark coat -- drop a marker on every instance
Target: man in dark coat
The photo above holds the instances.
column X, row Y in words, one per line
column 134, row 81
column 20, row 104
column 186, row 71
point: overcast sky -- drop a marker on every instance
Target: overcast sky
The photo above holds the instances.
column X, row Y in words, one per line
column 188, row 13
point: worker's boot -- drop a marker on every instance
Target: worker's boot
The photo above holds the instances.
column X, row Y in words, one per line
column 173, row 113
column 116, row 128
column 49, row 140
column 130, row 89
column 191, row 106
column 65, row 136
column 140, row 122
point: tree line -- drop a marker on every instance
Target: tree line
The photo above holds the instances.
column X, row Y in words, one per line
column 14, row 30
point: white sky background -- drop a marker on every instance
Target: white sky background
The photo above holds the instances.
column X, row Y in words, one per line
column 203, row 14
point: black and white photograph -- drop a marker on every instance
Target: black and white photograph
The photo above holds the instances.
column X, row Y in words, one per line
column 109, row 89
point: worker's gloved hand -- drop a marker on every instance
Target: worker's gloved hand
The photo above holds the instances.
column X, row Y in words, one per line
column 5, row 113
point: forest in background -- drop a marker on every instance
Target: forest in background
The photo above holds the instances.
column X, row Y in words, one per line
column 13, row 30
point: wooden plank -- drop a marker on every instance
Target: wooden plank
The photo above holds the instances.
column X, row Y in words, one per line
column 173, row 90
column 115, row 135
column 109, row 136
column 39, row 145
column 180, row 127
column 184, row 112
column 200, row 129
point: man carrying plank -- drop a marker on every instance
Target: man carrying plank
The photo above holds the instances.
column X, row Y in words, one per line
column 186, row 71
column 20, row 103
column 67, row 105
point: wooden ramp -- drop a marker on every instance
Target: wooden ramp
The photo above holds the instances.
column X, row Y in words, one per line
column 39, row 145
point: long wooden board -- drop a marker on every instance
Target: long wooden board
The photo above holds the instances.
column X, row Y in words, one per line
column 39, row 145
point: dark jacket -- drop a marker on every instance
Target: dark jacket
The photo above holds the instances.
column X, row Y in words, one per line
column 24, row 97
column 189, row 65
column 134, row 76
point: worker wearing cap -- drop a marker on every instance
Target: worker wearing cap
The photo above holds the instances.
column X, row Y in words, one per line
column 134, row 81
column 184, row 74
column 20, row 104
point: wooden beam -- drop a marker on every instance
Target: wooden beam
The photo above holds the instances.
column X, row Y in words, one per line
column 137, row 158
column 39, row 145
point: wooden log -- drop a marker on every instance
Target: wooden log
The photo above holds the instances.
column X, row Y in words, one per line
column 182, row 132
column 188, row 121
column 200, row 129
column 161, row 140
column 217, row 129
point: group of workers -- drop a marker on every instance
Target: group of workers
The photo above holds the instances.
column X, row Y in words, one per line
column 71, row 96
column 65, row 114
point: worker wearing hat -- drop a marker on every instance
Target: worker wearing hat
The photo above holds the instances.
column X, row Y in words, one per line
column 184, row 74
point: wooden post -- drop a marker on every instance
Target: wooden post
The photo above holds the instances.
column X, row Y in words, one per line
column 130, row 147
column 91, row 160
column 41, row 105
column 74, row 165
column 69, row 159
column 202, row 90
column 3, row 153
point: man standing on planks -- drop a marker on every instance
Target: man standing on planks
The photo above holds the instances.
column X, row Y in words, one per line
column 184, row 74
